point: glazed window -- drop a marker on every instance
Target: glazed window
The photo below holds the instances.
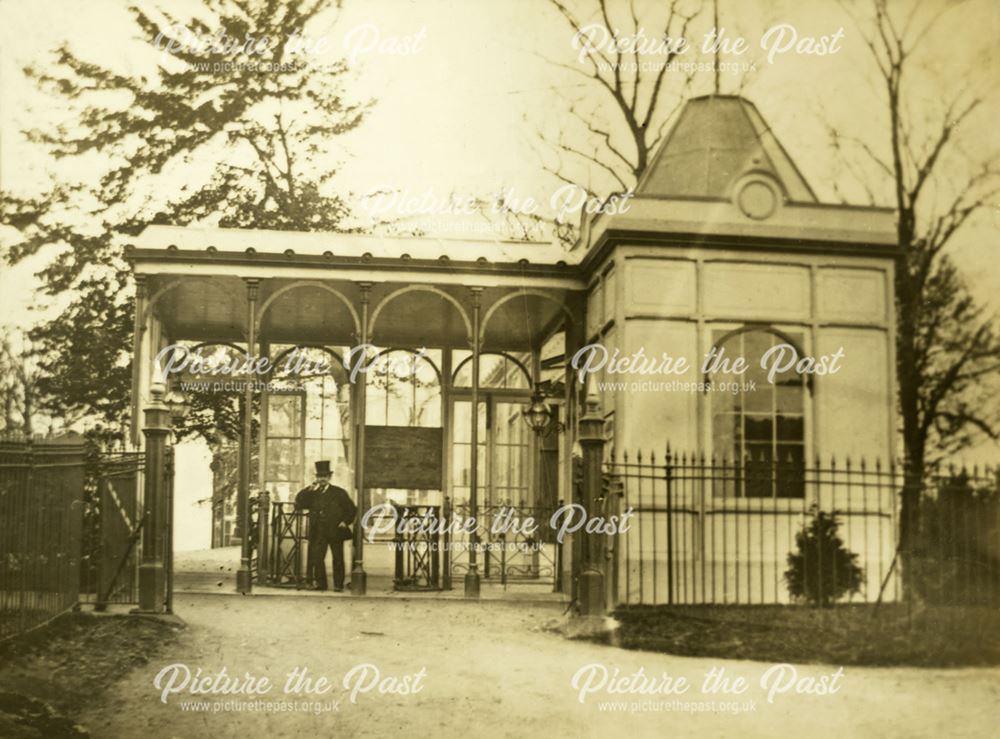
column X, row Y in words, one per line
column 758, row 427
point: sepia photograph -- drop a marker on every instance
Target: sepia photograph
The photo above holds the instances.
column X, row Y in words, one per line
column 493, row 368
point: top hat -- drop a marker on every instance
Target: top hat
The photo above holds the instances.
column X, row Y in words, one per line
column 323, row 468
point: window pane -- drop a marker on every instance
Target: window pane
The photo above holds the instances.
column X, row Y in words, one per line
column 284, row 415
column 460, row 465
column 491, row 371
column 284, row 460
column 313, row 452
column 759, row 399
column 375, row 397
column 758, row 471
column 758, row 428
column 755, row 343
column 790, row 471
column 770, row 417
column 789, row 428
column 428, row 405
column 789, row 396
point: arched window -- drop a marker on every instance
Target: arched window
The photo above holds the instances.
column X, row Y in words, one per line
column 307, row 416
column 758, row 426
column 404, row 388
column 496, row 370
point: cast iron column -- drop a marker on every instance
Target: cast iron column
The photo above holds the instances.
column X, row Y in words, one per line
column 359, row 578
column 138, row 361
column 151, row 570
column 472, row 576
column 244, row 577
column 591, row 581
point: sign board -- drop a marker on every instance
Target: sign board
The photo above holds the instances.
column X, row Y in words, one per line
column 404, row 457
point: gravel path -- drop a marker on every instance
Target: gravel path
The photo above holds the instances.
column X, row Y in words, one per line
column 494, row 670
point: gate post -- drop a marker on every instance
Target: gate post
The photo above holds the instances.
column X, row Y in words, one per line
column 151, row 570
column 263, row 537
column 591, row 437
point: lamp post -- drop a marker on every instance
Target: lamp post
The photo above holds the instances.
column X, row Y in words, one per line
column 156, row 429
column 591, row 583
column 157, row 498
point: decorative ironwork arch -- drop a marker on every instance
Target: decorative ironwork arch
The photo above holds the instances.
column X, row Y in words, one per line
column 419, row 288
column 153, row 299
column 318, row 347
column 519, row 364
column 308, row 283
column 431, row 362
column 523, row 292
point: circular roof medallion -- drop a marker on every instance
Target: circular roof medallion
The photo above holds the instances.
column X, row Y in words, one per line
column 757, row 197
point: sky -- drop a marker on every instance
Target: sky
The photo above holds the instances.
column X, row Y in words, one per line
column 459, row 111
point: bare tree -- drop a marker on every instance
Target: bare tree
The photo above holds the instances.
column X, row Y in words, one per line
column 625, row 98
column 946, row 347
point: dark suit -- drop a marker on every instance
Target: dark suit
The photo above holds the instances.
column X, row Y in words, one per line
column 329, row 506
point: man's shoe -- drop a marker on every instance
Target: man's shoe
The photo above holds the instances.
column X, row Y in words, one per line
column 338, row 590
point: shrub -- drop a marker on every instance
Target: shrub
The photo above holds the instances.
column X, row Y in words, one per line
column 822, row 569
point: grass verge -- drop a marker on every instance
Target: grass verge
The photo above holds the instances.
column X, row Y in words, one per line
column 843, row 635
column 49, row 675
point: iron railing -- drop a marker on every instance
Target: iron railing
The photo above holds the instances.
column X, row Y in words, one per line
column 516, row 544
column 710, row 531
column 112, row 530
column 41, row 516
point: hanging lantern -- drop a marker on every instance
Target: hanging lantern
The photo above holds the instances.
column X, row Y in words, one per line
column 178, row 404
column 538, row 414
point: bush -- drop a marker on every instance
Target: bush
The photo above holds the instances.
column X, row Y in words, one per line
column 822, row 570
column 955, row 558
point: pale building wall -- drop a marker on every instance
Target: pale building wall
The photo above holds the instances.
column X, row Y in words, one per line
column 671, row 300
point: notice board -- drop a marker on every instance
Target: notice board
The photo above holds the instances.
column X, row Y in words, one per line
column 403, row 457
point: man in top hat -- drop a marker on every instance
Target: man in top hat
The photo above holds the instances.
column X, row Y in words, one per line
column 331, row 513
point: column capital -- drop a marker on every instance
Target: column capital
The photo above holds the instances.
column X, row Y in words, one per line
column 253, row 286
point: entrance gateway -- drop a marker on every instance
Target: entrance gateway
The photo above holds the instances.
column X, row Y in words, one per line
column 485, row 336
column 724, row 245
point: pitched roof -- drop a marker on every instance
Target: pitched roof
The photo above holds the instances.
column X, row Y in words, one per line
column 716, row 140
